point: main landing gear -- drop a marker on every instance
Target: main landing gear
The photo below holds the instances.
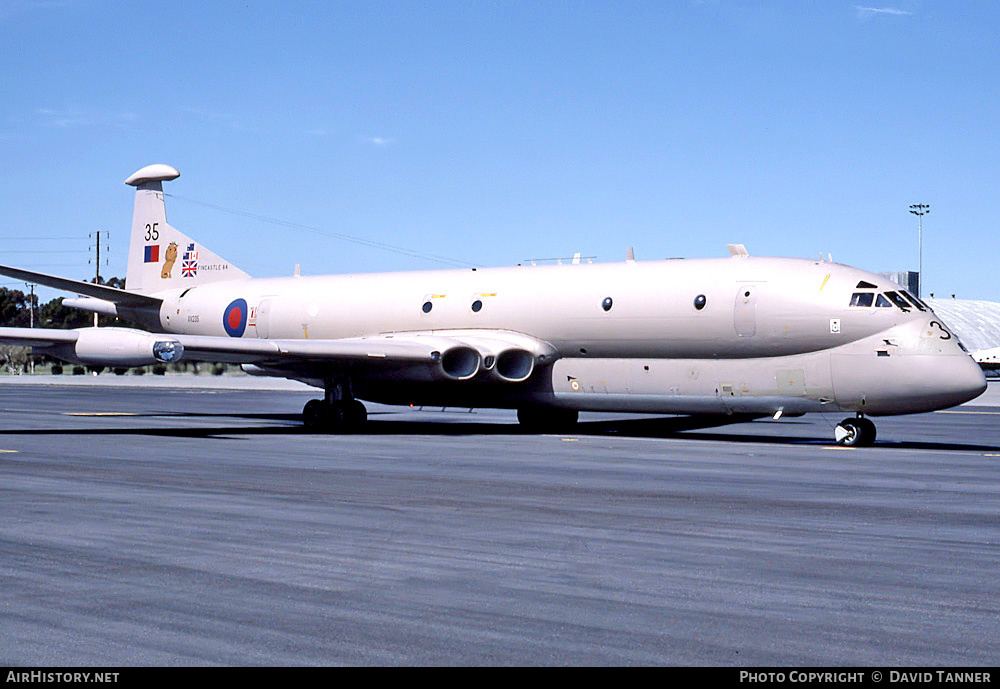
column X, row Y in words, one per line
column 547, row 419
column 337, row 412
column 858, row 432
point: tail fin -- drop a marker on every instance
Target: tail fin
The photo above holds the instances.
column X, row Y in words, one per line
column 160, row 257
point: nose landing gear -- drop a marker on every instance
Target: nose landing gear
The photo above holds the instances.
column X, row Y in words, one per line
column 858, row 432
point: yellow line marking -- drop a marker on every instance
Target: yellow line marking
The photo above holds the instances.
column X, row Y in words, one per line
column 99, row 413
column 9, row 452
column 824, row 282
column 570, row 440
column 838, row 447
column 991, row 454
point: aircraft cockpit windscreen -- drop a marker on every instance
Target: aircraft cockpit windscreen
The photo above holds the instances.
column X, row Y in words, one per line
column 916, row 302
column 898, row 300
column 862, row 299
column 904, row 300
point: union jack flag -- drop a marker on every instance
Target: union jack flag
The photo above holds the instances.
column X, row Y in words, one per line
column 189, row 262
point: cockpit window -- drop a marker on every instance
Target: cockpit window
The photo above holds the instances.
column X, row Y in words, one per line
column 898, row 300
column 916, row 302
column 862, row 299
column 904, row 300
column 865, row 285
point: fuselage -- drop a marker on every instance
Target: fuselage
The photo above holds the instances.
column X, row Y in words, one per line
column 741, row 334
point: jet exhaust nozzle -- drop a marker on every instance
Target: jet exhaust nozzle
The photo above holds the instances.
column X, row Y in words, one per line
column 515, row 365
column 460, row 363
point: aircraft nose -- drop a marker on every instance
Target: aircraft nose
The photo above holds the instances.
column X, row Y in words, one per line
column 966, row 380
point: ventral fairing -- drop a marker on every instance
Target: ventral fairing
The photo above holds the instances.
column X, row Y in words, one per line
column 740, row 335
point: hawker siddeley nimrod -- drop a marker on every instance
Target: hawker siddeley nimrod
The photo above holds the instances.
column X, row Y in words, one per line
column 736, row 336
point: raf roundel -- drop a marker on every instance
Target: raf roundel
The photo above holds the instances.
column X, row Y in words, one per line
column 234, row 318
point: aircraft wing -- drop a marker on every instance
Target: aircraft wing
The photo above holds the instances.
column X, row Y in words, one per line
column 441, row 355
column 112, row 294
column 239, row 350
column 37, row 337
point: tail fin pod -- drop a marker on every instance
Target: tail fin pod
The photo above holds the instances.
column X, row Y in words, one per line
column 160, row 257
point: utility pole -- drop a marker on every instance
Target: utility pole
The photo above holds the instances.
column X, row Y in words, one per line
column 31, row 322
column 920, row 210
column 31, row 304
column 97, row 259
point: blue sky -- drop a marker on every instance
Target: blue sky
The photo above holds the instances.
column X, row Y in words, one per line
column 494, row 132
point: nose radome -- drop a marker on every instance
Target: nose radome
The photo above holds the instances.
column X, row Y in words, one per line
column 966, row 379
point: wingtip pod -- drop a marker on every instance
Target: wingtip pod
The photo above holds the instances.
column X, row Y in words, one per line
column 125, row 347
column 157, row 172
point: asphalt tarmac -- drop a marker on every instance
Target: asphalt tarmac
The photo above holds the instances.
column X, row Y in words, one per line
column 170, row 527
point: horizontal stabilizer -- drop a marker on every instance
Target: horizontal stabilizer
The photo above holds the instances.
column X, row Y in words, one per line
column 101, row 306
column 112, row 294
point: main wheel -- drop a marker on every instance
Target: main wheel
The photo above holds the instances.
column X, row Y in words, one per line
column 320, row 417
column 541, row 420
column 314, row 415
column 355, row 415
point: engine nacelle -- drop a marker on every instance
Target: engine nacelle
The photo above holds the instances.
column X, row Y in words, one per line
column 504, row 360
column 125, row 347
column 514, row 365
column 498, row 355
column 458, row 363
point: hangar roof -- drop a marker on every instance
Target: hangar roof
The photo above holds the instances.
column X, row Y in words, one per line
column 977, row 323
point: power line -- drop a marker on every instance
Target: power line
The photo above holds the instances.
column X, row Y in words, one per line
column 334, row 235
column 37, row 239
column 49, row 265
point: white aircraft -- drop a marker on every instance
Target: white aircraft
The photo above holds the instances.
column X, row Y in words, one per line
column 988, row 359
column 731, row 336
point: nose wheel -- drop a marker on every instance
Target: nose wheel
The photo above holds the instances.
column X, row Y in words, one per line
column 859, row 432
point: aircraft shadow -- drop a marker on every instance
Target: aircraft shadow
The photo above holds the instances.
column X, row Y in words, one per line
column 691, row 428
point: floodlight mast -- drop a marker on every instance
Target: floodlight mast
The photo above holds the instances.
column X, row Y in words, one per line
column 920, row 210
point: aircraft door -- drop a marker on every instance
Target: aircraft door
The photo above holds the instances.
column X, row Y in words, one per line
column 745, row 312
column 261, row 317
